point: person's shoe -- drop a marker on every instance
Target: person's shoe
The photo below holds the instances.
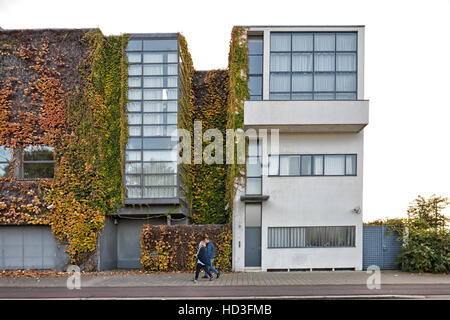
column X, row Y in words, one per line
column 211, row 278
column 218, row 275
column 195, row 280
column 205, row 277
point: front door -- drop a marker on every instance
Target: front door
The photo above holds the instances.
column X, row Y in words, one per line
column 253, row 235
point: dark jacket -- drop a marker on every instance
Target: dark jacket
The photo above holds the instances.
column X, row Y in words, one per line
column 210, row 250
column 202, row 256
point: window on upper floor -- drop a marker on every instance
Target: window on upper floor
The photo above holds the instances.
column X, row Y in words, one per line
column 36, row 162
column 5, row 159
column 152, row 110
column 313, row 66
column 313, row 165
column 255, row 67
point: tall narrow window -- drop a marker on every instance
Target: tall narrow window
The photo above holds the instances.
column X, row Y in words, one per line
column 255, row 66
column 150, row 156
column 5, row 158
column 38, row 162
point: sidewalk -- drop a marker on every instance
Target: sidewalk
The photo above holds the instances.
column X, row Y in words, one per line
column 136, row 279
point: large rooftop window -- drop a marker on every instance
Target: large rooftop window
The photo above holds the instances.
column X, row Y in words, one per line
column 313, row 66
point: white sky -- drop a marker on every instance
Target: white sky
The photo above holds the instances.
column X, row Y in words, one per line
column 407, row 71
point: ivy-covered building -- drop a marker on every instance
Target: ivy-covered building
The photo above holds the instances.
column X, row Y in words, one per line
column 88, row 146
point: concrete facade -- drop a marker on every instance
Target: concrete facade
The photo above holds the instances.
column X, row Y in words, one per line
column 307, row 128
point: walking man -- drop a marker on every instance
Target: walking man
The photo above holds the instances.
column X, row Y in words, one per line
column 202, row 262
column 210, row 256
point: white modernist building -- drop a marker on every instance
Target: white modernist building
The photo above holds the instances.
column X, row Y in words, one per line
column 302, row 209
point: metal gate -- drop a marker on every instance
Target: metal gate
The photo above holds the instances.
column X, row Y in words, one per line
column 380, row 247
column 29, row 247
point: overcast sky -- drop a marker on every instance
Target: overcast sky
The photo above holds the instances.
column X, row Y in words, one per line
column 407, row 71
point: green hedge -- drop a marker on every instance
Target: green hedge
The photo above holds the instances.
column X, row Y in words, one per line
column 174, row 248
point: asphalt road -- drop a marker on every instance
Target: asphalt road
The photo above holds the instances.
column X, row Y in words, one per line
column 225, row 291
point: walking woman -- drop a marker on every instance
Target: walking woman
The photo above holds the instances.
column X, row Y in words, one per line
column 202, row 261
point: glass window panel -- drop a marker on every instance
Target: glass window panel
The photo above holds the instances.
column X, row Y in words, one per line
column 302, row 82
column 255, row 85
column 346, row 62
column 306, row 165
column 324, row 96
column 255, row 64
column 280, row 42
column 289, row 165
column 280, row 62
column 255, row 46
column 4, row 170
column 135, row 94
column 132, row 180
column 160, row 192
column 134, row 82
column 172, row 118
column 133, row 168
column 134, row 143
column 5, row 154
column 154, row 118
column 134, row 106
column 134, row 118
column 253, row 186
column 134, row 192
column 160, row 167
column 171, row 94
column 273, row 165
column 160, row 180
column 346, row 82
column 254, row 149
column 345, row 96
column 132, row 155
column 32, row 170
column 324, row 82
column 154, row 57
column 255, row 97
column 134, row 45
column 171, row 82
column 334, row 165
column 154, row 70
column 324, row 42
column 318, row 165
column 134, row 70
column 134, row 131
column 159, row 143
column 134, row 57
column 160, row 155
column 302, row 96
column 252, row 214
column 153, row 82
column 153, row 94
column 302, row 62
column 172, row 57
column 280, row 96
column 350, row 164
column 280, row 82
column 36, row 153
column 150, row 131
column 253, row 167
column 346, row 42
column 172, row 69
column 324, row 62
column 160, row 45
column 155, row 106
column 302, row 42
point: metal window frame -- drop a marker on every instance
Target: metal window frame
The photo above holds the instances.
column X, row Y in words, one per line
column 351, row 237
column 313, row 72
column 165, row 125
column 312, row 164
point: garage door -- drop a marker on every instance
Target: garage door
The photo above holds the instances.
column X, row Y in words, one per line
column 27, row 247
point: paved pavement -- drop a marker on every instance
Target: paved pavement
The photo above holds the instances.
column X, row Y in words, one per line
column 249, row 285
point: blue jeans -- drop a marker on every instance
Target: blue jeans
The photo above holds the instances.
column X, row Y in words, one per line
column 210, row 266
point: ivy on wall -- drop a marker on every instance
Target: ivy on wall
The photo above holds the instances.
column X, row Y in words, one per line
column 237, row 92
column 174, row 248
column 71, row 96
